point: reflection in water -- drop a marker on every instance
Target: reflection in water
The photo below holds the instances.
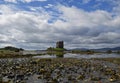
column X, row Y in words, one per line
column 60, row 54
column 69, row 55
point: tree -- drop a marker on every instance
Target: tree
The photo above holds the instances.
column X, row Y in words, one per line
column 109, row 51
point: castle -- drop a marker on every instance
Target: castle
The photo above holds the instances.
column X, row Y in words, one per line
column 60, row 44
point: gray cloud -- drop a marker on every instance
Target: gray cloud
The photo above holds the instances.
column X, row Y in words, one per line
column 31, row 30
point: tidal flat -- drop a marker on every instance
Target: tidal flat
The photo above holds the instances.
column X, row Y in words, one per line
column 60, row 70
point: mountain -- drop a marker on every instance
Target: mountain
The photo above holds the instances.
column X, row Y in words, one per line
column 101, row 49
column 83, row 49
column 105, row 49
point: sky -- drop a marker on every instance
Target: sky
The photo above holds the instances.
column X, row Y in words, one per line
column 39, row 24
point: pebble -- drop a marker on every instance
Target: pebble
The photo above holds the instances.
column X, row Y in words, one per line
column 59, row 70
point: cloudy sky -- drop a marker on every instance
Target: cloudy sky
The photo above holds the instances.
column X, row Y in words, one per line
column 38, row 24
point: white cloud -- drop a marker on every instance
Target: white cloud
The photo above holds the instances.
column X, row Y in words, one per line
column 9, row 9
column 87, row 26
column 21, row 26
column 78, row 28
column 15, row 1
column 32, row 0
column 116, row 9
column 80, row 18
column 114, row 3
column 49, row 6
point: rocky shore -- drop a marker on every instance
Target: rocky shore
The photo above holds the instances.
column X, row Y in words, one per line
column 59, row 70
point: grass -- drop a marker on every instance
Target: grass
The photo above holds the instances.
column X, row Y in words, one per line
column 8, row 53
column 56, row 49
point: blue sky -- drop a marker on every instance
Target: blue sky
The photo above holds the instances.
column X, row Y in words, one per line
column 87, row 5
column 38, row 24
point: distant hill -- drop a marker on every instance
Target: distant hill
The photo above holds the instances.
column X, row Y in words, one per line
column 12, row 48
column 101, row 49
column 83, row 49
column 105, row 49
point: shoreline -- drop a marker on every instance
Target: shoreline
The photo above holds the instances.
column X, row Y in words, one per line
column 62, row 70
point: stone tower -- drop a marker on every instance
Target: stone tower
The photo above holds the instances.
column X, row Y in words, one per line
column 60, row 44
